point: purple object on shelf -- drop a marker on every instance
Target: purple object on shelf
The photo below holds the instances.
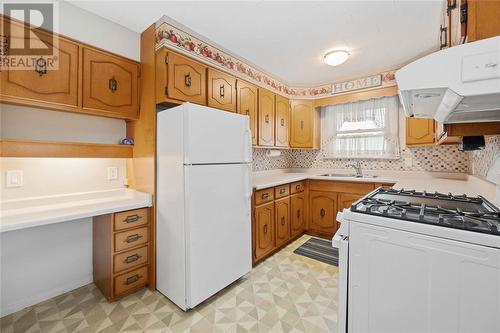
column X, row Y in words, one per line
column 127, row 141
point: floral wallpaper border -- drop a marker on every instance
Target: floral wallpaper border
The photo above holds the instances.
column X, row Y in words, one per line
column 175, row 38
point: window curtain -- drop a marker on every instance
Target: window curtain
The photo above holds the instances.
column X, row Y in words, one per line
column 364, row 129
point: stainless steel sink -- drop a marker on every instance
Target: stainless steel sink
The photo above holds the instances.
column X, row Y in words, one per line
column 347, row 175
column 338, row 175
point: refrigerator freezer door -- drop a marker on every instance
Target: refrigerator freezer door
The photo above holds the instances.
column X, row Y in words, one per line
column 218, row 228
column 213, row 136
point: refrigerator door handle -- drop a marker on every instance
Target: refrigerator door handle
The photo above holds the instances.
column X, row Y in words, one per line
column 248, row 145
column 249, row 181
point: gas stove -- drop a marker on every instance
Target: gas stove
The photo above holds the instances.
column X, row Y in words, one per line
column 463, row 212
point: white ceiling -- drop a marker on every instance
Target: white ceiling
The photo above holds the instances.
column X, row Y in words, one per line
column 288, row 39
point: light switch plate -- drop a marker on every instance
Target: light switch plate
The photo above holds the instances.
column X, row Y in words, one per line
column 112, row 173
column 14, row 178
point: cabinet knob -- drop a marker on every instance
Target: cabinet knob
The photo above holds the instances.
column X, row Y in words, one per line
column 297, row 187
column 283, row 190
column 221, row 91
column 282, row 220
column 112, row 84
column 265, row 228
column 298, row 213
column 41, row 66
column 322, row 213
column 301, row 124
column 247, row 112
column 265, row 195
column 187, row 80
column 266, row 118
column 282, row 122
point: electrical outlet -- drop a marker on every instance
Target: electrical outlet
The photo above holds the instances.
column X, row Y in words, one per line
column 14, row 178
column 112, row 173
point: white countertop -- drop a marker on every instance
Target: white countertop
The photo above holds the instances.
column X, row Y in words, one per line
column 37, row 211
column 456, row 183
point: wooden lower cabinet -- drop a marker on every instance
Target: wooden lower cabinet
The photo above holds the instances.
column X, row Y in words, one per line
column 347, row 199
column 282, row 219
column 264, row 230
column 323, row 213
column 297, row 214
column 121, row 252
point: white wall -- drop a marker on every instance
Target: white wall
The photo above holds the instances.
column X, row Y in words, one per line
column 19, row 122
column 49, row 176
column 43, row 262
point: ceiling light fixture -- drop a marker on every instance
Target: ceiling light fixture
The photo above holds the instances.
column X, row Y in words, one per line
column 335, row 58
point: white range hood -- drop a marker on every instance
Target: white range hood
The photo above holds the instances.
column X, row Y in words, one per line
column 456, row 85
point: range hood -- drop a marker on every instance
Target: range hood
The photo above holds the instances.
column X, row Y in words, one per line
column 456, row 85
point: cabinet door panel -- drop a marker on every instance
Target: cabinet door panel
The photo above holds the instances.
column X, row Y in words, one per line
column 297, row 210
column 221, row 90
column 301, row 128
column 264, row 230
column 186, row 79
column 110, row 83
column 347, row 199
column 57, row 88
column 420, row 131
column 282, row 121
column 323, row 212
column 246, row 97
column 266, row 118
column 282, row 213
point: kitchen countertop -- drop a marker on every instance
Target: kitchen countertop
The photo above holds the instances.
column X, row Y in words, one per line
column 37, row 211
column 456, row 183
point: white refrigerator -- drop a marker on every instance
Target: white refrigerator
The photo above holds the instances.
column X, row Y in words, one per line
column 203, row 235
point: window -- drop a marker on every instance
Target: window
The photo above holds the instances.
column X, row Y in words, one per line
column 365, row 129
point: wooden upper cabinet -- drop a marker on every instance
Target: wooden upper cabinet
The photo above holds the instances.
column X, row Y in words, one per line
column 323, row 212
column 420, row 131
column 483, row 19
column 246, row 103
column 282, row 121
column 297, row 211
column 221, row 92
column 266, row 118
column 264, row 230
column 282, row 214
column 180, row 78
column 56, row 88
column 303, row 125
column 110, row 84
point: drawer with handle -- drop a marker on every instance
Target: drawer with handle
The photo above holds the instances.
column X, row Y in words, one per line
column 281, row 191
column 130, row 219
column 132, row 238
column 130, row 259
column 263, row 196
column 297, row 187
column 131, row 280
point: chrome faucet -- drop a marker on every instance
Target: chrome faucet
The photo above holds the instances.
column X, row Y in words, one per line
column 357, row 166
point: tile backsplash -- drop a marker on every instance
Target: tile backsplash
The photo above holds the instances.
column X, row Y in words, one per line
column 439, row 158
column 481, row 160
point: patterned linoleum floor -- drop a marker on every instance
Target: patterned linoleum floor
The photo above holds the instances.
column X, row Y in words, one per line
column 285, row 293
